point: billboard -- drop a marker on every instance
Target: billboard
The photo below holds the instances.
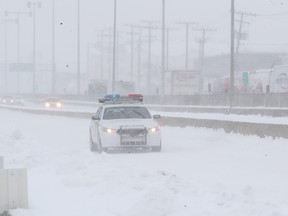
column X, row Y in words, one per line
column 279, row 81
column 185, row 82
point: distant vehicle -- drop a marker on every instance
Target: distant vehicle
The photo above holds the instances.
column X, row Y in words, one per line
column 17, row 100
column 53, row 102
column 6, row 100
column 124, row 126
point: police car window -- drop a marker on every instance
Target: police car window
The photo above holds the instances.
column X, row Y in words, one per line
column 98, row 113
column 126, row 113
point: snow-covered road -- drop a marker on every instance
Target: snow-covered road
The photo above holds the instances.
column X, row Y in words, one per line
column 200, row 172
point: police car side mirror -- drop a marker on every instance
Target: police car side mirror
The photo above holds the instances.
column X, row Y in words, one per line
column 95, row 118
column 156, row 116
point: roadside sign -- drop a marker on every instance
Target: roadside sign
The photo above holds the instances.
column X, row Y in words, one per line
column 23, row 67
column 245, row 76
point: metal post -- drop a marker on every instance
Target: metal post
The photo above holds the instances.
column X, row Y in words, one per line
column 232, row 55
column 114, row 48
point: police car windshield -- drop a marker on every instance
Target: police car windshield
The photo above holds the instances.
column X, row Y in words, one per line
column 126, row 113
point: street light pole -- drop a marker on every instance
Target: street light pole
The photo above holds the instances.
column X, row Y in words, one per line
column 78, row 49
column 34, row 4
column 231, row 95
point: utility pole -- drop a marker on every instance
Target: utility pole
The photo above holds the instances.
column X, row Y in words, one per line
column 201, row 52
column 168, row 30
column 163, row 52
column 102, row 55
column 53, row 48
column 102, row 36
column 17, row 20
column 114, row 47
column 132, row 50
column 149, row 27
column 117, row 55
column 140, row 28
column 39, row 5
column 139, row 71
column 240, row 35
column 187, row 25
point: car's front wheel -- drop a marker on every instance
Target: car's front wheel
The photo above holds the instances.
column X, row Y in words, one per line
column 93, row 145
column 99, row 145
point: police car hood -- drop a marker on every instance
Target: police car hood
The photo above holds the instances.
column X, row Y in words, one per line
column 117, row 123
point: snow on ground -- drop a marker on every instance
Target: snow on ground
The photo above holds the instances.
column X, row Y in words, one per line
column 199, row 172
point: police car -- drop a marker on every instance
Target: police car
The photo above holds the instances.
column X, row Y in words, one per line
column 124, row 125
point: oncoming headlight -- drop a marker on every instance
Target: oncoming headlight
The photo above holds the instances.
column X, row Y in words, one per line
column 47, row 104
column 59, row 105
column 154, row 129
column 109, row 130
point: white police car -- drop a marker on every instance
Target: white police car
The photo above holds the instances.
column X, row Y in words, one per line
column 124, row 125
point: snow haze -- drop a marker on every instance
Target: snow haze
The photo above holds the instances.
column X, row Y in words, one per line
column 97, row 15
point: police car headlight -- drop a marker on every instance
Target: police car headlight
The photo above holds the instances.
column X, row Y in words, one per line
column 154, row 129
column 109, row 130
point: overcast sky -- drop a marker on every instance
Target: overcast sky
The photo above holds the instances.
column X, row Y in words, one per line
column 267, row 32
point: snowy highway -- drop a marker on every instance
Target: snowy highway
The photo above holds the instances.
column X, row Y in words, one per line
column 92, row 108
column 199, row 172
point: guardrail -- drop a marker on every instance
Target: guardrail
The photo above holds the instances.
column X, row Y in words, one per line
column 245, row 128
column 273, row 100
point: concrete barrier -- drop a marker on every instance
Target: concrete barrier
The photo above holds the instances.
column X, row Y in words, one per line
column 13, row 189
column 245, row 128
